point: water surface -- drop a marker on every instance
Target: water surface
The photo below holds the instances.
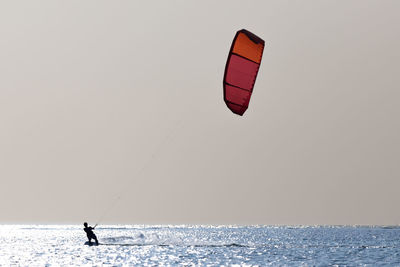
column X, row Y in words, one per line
column 55, row 245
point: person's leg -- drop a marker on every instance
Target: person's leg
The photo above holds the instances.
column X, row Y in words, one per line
column 95, row 239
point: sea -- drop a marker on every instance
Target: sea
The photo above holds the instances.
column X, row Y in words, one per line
column 200, row 245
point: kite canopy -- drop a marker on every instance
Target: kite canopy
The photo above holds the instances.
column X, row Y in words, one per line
column 241, row 70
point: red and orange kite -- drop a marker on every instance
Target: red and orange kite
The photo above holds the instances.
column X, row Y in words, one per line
column 241, row 70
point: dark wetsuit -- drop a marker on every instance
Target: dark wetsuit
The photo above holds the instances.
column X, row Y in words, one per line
column 90, row 234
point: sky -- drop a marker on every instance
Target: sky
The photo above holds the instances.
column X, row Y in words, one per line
column 113, row 112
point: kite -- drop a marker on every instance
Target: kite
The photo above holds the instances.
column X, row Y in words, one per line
column 241, row 70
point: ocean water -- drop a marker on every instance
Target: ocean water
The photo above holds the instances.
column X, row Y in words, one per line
column 141, row 245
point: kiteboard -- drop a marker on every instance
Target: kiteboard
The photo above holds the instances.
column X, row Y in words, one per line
column 91, row 243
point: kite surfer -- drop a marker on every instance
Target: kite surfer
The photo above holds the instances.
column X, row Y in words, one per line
column 90, row 234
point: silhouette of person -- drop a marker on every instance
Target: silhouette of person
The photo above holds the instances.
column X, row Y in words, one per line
column 89, row 233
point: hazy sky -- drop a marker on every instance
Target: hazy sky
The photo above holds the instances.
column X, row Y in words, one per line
column 108, row 99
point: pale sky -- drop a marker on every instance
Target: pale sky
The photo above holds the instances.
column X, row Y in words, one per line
column 114, row 111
